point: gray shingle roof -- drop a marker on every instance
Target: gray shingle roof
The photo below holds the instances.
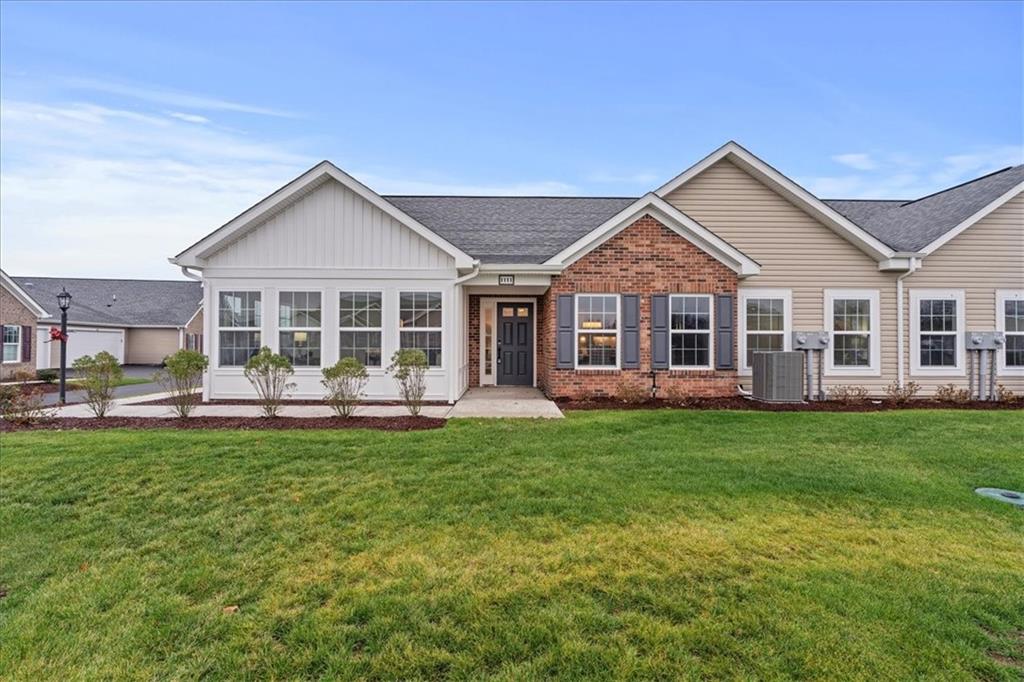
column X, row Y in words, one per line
column 511, row 229
column 139, row 303
column 912, row 225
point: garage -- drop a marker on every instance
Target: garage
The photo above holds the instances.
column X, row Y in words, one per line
column 88, row 341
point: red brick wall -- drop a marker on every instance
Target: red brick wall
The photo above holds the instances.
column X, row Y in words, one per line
column 12, row 311
column 646, row 258
column 474, row 341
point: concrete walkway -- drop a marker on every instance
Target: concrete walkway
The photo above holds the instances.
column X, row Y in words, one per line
column 126, row 391
column 478, row 402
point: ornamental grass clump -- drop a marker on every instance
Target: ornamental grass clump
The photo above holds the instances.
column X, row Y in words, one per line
column 409, row 367
column 98, row 376
column 268, row 372
column 182, row 377
column 344, row 382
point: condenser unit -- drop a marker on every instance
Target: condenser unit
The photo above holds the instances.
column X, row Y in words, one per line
column 778, row 376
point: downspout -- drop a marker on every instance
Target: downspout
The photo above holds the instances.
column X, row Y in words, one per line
column 455, row 379
column 473, row 273
column 900, row 335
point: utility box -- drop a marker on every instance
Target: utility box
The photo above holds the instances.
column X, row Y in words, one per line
column 984, row 340
column 810, row 340
column 778, row 377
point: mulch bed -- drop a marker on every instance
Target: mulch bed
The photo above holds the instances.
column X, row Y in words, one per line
column 371, row 403
column 738, row 403
column 42, row 388
column 406, row 423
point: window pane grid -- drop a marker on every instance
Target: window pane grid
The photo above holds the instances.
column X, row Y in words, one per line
column 12, row 343
column 937, row 332
column 239, row 316
column 360, row 310
column 236, row 347
column 427, row 341
column 419, row 309
column 596, row 316
column 1013, row 324
column 851, row 327
column 690, row 323
column 364, row 346
column 597, row 313
column 765, row 326
column 299, row 310
column 240, row 309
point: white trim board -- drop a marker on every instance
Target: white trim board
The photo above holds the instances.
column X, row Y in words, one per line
column 1002, row 296
column 23, row 296
column 874, row 368
column 743, row 293
column 915, row 332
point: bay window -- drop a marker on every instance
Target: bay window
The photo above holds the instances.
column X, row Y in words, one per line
column 937, row 320
column 359, row 322
column 597, row 331
column 764, row 322
column 419, row 323
column 690, row 327
column 1010, row 321
column 239, row 317
column 299, row 322
column 12, row 343
column 852, row 317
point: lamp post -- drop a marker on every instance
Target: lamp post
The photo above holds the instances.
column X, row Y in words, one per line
column 63, row 302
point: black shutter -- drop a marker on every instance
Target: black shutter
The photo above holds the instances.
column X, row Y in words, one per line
column 630, row 331
column 659, row 331
column 565, row 348
column 725, row 335
column 26, row 344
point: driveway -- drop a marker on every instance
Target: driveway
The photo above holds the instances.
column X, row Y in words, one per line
column 133, row 371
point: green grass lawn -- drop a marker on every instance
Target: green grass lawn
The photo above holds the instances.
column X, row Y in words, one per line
column 647, row 544
column 123, row 381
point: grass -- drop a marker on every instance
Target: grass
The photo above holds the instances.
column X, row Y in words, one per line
column 123, row 381
column 647, row 544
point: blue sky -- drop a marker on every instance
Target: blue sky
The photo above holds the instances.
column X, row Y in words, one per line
column 127, row 131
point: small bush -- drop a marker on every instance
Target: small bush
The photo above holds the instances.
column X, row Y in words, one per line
column 677, row 393
column 344, row 383
column 409, row 367
column 848, row 394
column 268, row 372
column 951, row 393
column 631, row 393
column 8, row 394
column 23, row 375
column 23, row 407
column 182, row 377
column 1005, row 395
column 902, row 394
column 48, row 376
column 98, row 376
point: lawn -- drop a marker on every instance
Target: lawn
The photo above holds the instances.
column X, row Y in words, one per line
column 645, row 544
column 123, row 381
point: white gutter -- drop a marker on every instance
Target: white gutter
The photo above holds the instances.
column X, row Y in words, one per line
column 900, row 336
column 473, row 273
column 190, row 275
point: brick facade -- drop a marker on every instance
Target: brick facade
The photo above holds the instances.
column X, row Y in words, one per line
column 13, row 311
column 473, row 319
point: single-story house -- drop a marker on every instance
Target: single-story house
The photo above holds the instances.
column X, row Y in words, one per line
column 139, row 322
column 19, row 314
column 578, row 295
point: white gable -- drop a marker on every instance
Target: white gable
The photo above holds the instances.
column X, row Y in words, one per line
column 331, row 226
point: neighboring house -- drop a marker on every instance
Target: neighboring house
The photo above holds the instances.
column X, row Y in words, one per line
column 19, row 315
column 139, row 322
column 577, row 295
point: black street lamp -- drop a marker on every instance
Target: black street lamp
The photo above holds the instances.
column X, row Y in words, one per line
column 63, row 302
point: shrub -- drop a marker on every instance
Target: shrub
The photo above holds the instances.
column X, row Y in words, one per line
column 631, row 393
column 409, row 367
column 182, row 377
column 1003, row 394
column 8, row 394
column 98, row 376
column 23, row 407
column 344, row 383
column 901, row 394
column 23, row 375
column 268, row 372
column 848, row 394
column 676, row 393
column 48, row 376
column 951, row 393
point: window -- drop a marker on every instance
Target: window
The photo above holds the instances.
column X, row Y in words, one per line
column 597, row 331
column 765, row 322
column 1010, row 321
column 853, row 318
column 419, row 322
column 937, row 319
column 239, row 318
column 690, row 324
column 359, row 320
column 12, row 343
column 298, row 324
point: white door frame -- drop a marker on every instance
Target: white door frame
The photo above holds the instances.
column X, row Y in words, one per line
column 498, row 300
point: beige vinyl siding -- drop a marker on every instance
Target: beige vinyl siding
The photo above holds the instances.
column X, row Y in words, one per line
column 986, row 257
column 149, row 346
column 795, row 252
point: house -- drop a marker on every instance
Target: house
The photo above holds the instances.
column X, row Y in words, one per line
column 19, row 314
column 577, row 295
column 139, row 322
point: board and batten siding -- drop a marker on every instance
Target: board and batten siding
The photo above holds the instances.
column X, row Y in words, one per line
column 795, row 252
column 986, row 257
column 331, row 227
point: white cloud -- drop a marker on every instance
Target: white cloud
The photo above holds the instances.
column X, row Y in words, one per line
column 188, row 118
column 858, row 161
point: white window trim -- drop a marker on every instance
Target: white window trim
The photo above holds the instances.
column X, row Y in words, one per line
column 916, row 295
column 259, row 328
column 17, row 356
column 444, row 321
column 577, row 331
column 277, row 321
column 710, row 332
column 874, row 369
column 1002, row 296
column 787, row 320
column 383, row 316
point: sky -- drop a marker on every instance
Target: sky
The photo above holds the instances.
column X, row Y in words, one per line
column 129, row 131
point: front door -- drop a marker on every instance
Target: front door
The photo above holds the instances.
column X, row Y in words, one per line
column 515, row 344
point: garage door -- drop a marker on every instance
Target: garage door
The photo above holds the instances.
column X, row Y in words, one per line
column 90, row 341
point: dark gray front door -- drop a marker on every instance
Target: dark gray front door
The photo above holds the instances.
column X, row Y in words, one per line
column 515, row 344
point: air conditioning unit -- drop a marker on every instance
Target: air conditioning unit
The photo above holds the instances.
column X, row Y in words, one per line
column 779, row 377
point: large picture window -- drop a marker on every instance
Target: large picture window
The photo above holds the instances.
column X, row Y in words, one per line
column 765, row 322
column 690, row 322
column 419, row 323
column 1010, row 320
column 239, row 317
column 597, row 331
column 938, row 322
column 852, row 316
column 12, row 343
column 359, row 321
column 299, row 322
